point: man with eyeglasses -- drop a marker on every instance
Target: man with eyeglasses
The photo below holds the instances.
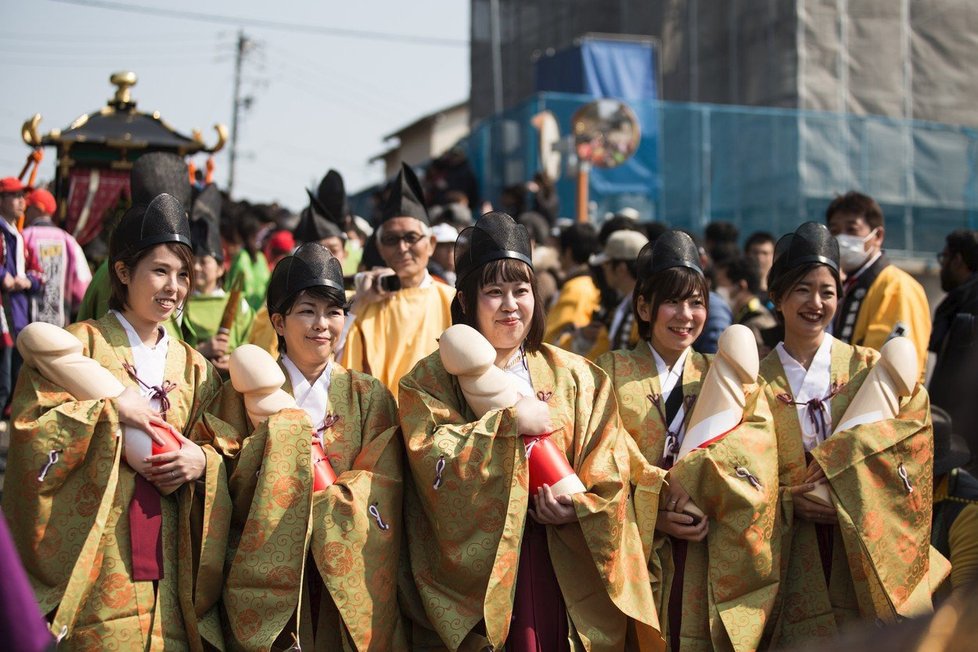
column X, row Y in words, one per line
column 954, row 339
column 879, row 300
column 394, row 323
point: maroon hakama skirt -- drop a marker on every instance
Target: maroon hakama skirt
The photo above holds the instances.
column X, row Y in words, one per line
column 539, row 615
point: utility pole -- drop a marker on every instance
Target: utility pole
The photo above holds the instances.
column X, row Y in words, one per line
column 242, row 47
column 497, row 57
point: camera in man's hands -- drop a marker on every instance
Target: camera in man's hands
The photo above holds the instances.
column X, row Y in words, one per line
column 390, row 283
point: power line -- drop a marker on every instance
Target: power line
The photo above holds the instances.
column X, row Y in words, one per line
column 323, row 67
column 102, row 38
column 70, row 59
column 117, row 63
column 270, row 24
column 311, row 80
column 101, row 49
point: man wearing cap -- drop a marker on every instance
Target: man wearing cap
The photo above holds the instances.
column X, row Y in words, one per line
column 617, row 263
column 955, row 520
column 61, row 259
column 19, row 283
column 442, row 263
column 390, row 329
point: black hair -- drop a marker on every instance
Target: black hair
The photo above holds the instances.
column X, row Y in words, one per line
column 331, row 296
column 582, row 240
column 756, row 238
column 616, row 223
column 717, row 232
column 964, row 242
column 779, row 285
column 630, row 264
column 724, row 251
column 674, row 283
column 536, row 225
column 653, row 230
column 505, row 270
column 119, row 292
column 743, row 269
column 857, row 204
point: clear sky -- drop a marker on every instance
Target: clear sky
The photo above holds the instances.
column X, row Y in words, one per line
column 321, row 100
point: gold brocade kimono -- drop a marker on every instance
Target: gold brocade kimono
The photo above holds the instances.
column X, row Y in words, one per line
column 389, row 338
column 288, row 544
column 263, row 333
column 67, row 498
column 467, row 504
column 883, row 566
column 730, row 580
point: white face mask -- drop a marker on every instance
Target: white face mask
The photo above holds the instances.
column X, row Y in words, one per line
column 852, row 250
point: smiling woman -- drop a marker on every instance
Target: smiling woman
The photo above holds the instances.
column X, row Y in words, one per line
column 138, row 555
column 331, row 578
column 463, row 465
column 657, row 384
column 810, row 380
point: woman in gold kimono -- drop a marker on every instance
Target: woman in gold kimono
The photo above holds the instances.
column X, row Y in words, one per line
column 714, row 576
column 313, row 568
column 867, row 555
column 492, row 565
column 112, row 554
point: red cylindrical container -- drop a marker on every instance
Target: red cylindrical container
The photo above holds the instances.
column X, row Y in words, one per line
column 322, row 472
column 549, row 466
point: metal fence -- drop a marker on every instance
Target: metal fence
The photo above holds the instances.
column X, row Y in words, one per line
column 760, row 168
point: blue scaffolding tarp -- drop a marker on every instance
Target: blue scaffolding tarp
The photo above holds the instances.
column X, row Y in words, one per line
column 761, row 168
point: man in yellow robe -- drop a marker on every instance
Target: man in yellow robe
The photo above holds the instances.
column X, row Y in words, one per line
column 579, row 297
column 390, row 330
column 879, row 300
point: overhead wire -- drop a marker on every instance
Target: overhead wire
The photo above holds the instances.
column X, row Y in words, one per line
column 373, row 106
column 102, row 37
column 224, row 19
column 107, row 64
column 317, row 64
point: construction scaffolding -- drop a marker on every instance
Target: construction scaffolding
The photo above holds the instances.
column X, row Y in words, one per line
column 760, row 168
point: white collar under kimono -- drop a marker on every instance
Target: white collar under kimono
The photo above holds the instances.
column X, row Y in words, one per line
column 519, row 370
column 150, row 362
column 811, row 391
column 668, row 379
column 311, row 397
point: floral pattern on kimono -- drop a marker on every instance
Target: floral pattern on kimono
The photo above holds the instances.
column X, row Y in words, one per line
column 67, row 499
column 285, row 538
column 882, row 565
column 730, row 580
column 466, row 507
